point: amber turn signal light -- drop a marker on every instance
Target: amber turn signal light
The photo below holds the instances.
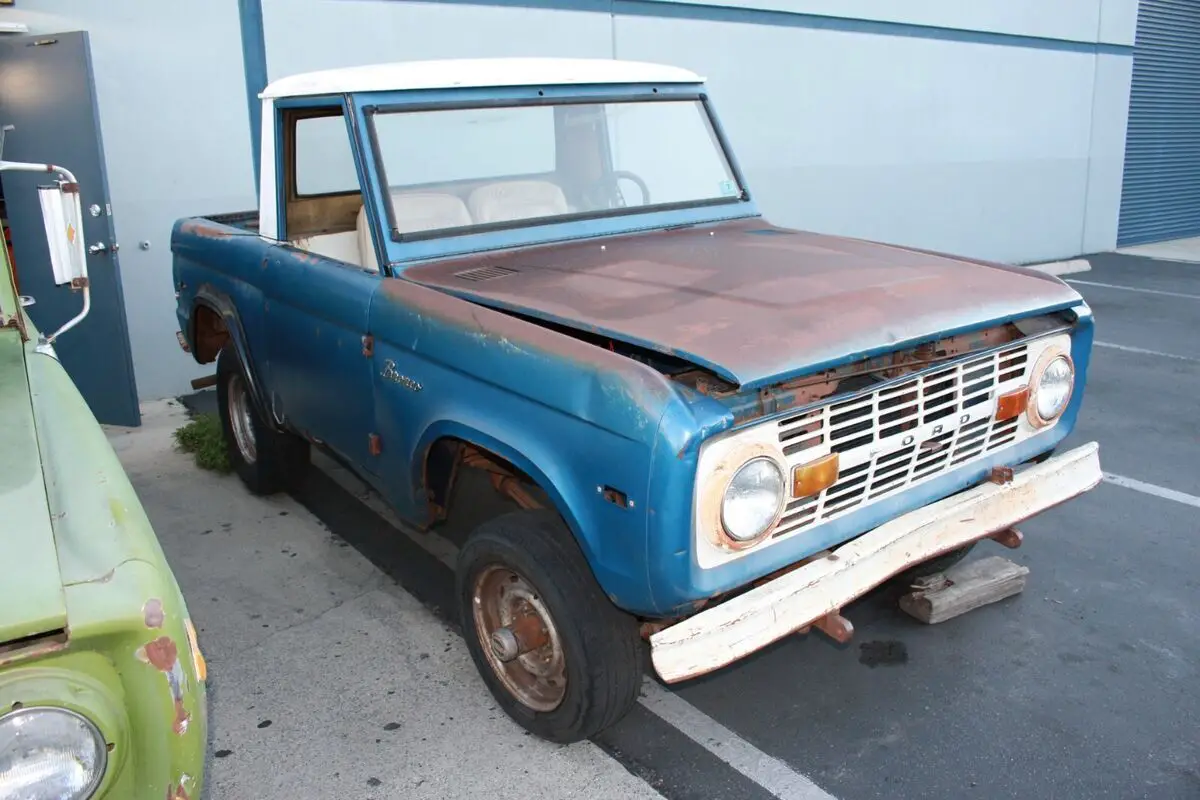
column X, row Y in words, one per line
column 815, row 476
column 1012, row 404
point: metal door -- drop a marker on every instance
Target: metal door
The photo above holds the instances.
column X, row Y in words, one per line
column 1160, row 197
column 321, row 380
column 47, row 95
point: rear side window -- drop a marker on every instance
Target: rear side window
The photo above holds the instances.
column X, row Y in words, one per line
column 322, row 194
column 324, row 161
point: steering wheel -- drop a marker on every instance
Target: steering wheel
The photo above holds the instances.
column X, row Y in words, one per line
column 620, row 174
column 605, row 193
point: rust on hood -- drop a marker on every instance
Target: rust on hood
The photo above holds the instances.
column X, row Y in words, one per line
column 810, row 388
column 748, row 301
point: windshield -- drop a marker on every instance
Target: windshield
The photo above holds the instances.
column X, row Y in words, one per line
column 457, row 170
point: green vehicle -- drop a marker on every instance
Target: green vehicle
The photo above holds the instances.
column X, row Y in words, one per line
column 102, row 684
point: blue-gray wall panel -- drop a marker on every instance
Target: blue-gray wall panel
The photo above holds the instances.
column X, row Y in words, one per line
column 1110, row 107
column 1108, row 21
column 305, row 35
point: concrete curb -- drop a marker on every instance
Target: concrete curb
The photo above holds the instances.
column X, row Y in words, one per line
column 1183, row 251
column 1063, row 267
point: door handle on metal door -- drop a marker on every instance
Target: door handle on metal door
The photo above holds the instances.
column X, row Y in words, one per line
column 100, row 247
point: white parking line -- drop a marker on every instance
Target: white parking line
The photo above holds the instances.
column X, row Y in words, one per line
column 767, row 771
column 1145, row 352
column 1150, row 488
column 1183, row 295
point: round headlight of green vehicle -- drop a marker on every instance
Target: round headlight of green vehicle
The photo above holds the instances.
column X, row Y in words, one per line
column 48, row 753
column 752, row 501
column 1052, row 385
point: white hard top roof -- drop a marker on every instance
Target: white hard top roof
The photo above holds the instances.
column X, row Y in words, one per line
column 475, row 72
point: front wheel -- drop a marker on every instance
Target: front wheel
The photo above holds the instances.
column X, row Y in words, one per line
column 559, row 658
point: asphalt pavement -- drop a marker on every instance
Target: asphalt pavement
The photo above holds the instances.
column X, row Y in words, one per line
column 1086, row 685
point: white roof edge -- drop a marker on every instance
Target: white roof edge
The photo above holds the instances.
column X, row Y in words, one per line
column 463, row 73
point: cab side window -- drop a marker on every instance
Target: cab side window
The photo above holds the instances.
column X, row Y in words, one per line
column 323, row 200
column 324, row 160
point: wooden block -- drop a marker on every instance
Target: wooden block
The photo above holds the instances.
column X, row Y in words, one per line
column 967, row 585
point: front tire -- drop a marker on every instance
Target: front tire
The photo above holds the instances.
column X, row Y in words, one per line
column 557, row 655
column 267, row 461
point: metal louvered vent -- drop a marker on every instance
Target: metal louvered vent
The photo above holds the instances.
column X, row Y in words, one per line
column 1160, row 195
column 484, row 273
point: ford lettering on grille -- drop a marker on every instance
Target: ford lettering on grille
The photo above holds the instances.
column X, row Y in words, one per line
column 908, row 431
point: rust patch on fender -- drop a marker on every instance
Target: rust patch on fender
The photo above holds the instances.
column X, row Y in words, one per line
column 163, row 655
column 152, row 613
column 503, row 479
column 210, row 332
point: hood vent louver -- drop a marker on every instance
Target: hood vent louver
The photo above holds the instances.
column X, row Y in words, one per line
column 478, row 274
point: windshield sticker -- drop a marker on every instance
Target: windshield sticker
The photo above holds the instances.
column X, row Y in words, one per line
column 728, row 188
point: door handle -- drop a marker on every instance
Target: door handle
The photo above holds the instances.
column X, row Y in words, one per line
column 100, row 247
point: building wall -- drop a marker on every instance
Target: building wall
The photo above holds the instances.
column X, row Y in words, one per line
column 993, row 128
column 171, row 94
column 985, row 148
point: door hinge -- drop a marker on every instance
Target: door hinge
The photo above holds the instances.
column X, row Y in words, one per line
column 368, row 343
column 374, row 444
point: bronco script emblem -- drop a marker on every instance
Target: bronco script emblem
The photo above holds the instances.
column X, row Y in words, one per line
column 390, row 374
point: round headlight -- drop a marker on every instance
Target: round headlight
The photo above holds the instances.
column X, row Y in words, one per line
column 752, row 500
column 49, row 753
column 1052, row 389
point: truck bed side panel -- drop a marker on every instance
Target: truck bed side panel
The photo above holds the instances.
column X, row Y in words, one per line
column 215, row 259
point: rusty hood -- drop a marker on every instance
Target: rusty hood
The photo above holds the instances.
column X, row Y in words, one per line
column 749, row 301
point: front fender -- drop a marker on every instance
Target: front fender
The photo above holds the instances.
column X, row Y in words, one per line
column 573, row 416
column 611, row 537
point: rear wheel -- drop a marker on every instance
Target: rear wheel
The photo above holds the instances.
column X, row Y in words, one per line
column 559, row 658
column 267, row 461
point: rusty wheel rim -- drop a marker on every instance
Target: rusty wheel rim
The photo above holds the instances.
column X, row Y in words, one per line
column 508, row 609
column 240, row 420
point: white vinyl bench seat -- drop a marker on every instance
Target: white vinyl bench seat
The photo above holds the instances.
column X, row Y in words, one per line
column 415, row 211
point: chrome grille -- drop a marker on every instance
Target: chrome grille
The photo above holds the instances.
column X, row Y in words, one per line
column 905, row 432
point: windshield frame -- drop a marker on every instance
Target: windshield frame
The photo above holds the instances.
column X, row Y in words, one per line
column 407, row 247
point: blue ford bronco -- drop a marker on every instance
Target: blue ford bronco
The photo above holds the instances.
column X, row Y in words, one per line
column 708, row 432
